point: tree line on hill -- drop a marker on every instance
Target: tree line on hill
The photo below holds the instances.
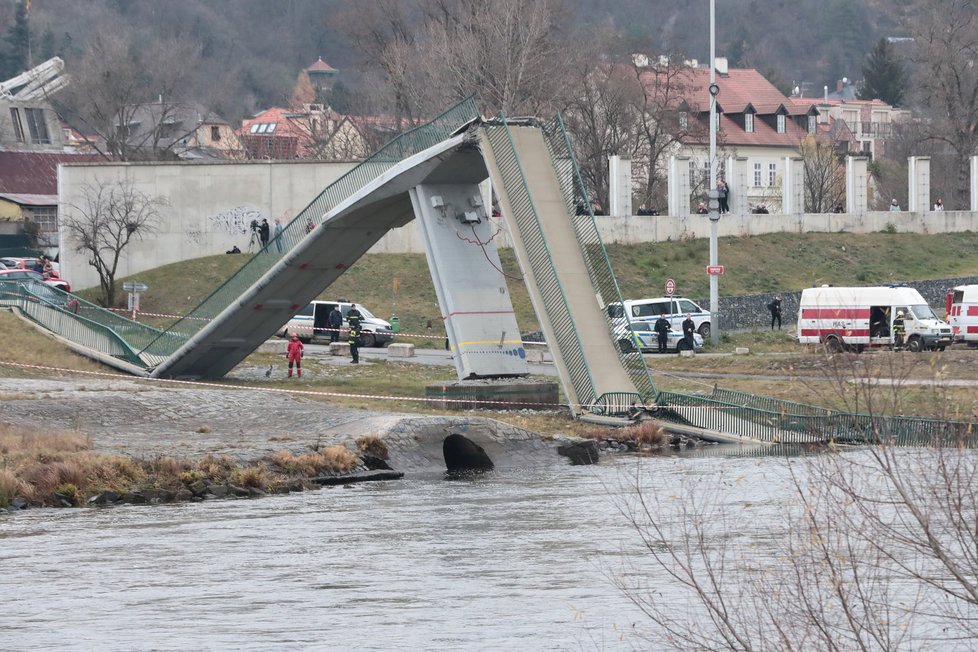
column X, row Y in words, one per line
column 410, row 58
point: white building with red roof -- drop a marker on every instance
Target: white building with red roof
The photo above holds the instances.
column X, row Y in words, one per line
column 758, row 129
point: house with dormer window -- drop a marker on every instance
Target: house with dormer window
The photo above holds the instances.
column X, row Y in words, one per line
column 757, row 128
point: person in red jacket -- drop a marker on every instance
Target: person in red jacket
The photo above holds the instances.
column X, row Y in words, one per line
column 295, row 354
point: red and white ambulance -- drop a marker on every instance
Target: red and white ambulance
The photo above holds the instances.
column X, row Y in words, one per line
column 851, row 319
column 962, row 313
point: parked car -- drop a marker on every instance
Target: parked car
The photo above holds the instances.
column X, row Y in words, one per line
column 646, row 340
column 312, row 322
column 29, row 275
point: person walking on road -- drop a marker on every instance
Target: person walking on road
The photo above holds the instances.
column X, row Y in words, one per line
column 295, row 351
column 662, row 328
column 335, row 323
column 775, row 308
column 688, row 329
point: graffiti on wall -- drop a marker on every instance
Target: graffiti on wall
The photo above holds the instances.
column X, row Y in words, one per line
column 237, row 220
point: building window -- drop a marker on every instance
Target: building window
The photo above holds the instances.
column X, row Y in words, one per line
column 18, row 126
column 683, row 120
column 811, row 124
column 46, row 218
column 772, row 174
column 37, row 126
column 757, row 175
column 215, row 134
column 749, row 123
column 692, row 174
column 780, row 123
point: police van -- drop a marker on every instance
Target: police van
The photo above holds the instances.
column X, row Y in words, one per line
column 854, row 318
column 312, row 322
column 674, row 309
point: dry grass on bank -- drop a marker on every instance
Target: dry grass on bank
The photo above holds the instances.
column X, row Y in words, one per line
column 54, row 469
column 21, row 343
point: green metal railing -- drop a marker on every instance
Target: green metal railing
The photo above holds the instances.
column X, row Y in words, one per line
column 407, row 144
column 595, row 256
column 788, row 422
column 78, row 320
column 541, row 263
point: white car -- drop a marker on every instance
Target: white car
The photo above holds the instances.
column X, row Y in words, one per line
column 312, row 322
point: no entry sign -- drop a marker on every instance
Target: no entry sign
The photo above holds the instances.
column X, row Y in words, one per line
column 670, row 287
column 714, row 270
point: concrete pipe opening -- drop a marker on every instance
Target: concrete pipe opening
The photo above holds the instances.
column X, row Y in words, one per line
column 462, row 454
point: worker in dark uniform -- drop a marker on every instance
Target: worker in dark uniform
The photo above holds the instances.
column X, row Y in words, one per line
column 688, row 329
column 354, row 340
column 662, row 328
column 354, row 316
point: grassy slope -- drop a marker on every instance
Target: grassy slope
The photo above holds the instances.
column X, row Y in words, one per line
column 766, row 263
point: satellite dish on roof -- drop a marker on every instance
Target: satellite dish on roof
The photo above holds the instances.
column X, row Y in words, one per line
column 845, row 80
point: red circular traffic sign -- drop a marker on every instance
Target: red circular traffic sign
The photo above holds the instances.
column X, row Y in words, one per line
column 670, row 287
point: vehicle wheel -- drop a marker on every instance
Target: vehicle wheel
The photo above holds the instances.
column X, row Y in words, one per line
column 682, row 345
column 626, row 346
column 940, row 348
column 705, row 330
column 833, row 345
column 915, row 344
column 367, row 340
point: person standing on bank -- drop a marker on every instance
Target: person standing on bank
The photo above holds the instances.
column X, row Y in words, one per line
column 688, row 329
column 723, row 192
column 775, row 308
column 295, row 351
column 264, row 233
column 662, row 328
column 278, row 235
column 335, row 320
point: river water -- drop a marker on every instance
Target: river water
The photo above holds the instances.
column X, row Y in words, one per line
column 509, row 560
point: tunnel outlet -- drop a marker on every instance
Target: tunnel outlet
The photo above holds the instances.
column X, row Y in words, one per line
column 463, row 454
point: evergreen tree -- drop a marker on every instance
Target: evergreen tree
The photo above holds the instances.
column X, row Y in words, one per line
column 15, row 45
column 884, row 76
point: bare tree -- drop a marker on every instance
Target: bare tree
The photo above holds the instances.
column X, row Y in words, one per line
column 118, row 83
column 945, row 88
column 825, row 177
column 877, row 550
column 109, row 217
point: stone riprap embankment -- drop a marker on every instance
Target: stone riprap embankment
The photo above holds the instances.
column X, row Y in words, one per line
column 147, row 419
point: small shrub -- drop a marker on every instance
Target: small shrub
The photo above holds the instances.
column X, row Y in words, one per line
column 217, row 469
column 204, row 430
column 338, row 459
column 10, row 487
column 251, row 476
column 889, row 228
column 69, row 491
column 646, row 433
column 374, row 446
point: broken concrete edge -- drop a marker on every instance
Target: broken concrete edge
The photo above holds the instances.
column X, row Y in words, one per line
column 366, row 476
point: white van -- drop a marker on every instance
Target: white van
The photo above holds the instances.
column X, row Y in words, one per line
column 312, row 322
column 962, row 313
column 674, row 308
column 856, row 318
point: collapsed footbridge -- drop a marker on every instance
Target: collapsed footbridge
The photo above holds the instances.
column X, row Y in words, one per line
column 433, row 174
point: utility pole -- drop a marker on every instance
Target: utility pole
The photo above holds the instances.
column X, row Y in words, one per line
column 714, row 194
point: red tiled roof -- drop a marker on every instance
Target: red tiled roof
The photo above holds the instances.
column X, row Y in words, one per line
column 321, row 67
column 35, row 173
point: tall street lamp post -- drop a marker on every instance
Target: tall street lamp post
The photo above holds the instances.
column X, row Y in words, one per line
column 714, row 194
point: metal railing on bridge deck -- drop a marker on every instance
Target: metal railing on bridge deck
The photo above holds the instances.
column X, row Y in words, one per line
column 75, row 319
column 541, row 262
column 777, row 421
column 403, row 146
column 595, row 255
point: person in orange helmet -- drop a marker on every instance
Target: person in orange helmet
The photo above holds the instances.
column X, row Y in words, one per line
column 296, row 349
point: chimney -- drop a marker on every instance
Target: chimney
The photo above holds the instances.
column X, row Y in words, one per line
column 721, row 65
column 825, row 89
